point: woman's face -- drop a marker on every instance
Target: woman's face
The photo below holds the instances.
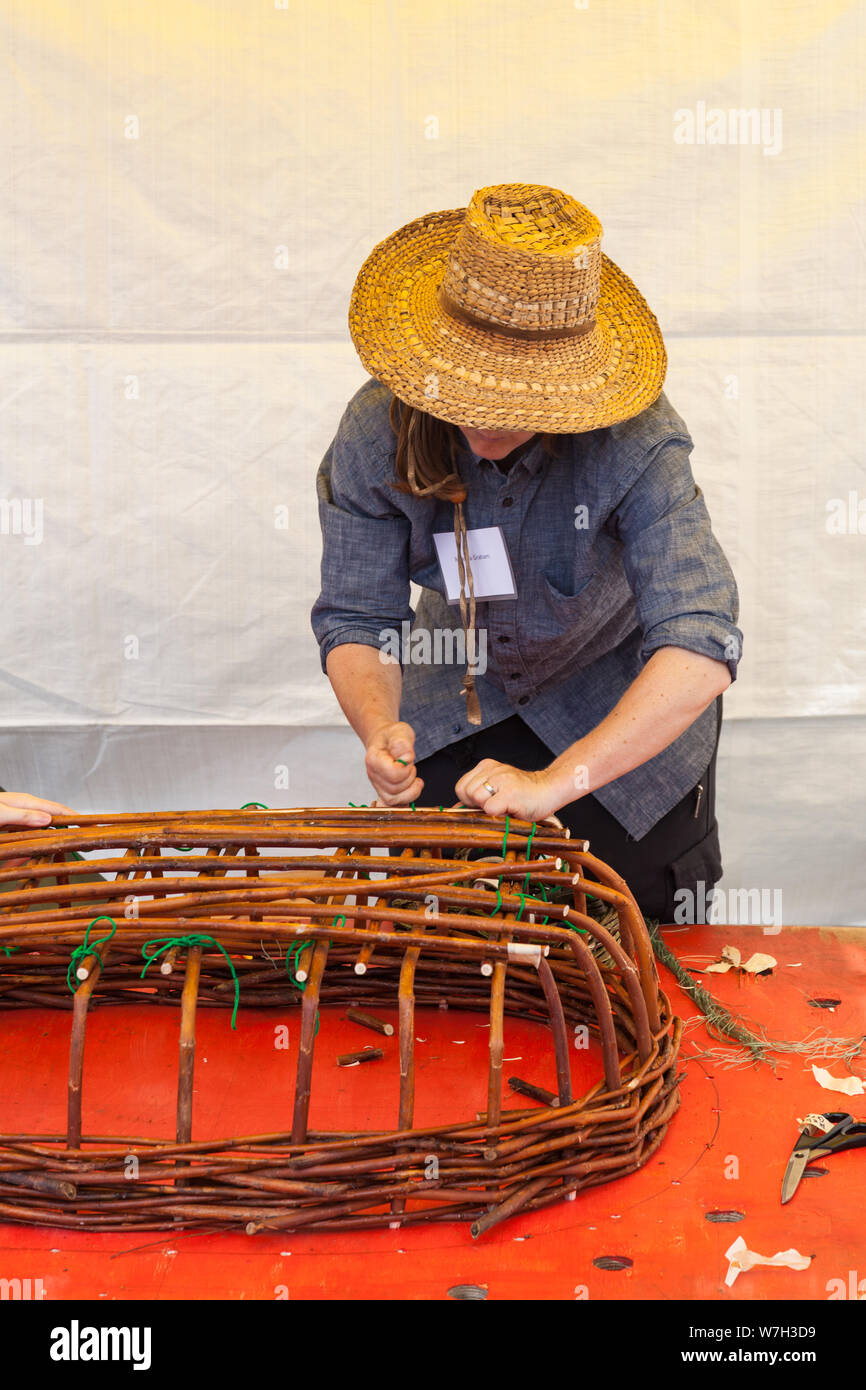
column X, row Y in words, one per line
column 494, row 444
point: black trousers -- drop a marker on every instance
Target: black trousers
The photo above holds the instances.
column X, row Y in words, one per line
column 680, row 851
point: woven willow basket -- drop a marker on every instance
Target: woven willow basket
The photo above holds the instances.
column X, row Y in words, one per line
column 310, row 910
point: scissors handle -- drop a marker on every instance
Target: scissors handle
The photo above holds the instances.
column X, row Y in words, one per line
column 847, row 1133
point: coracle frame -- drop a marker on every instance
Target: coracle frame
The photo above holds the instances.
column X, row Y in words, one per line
column 208, row 907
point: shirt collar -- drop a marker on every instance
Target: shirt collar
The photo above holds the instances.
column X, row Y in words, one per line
column 532, row 457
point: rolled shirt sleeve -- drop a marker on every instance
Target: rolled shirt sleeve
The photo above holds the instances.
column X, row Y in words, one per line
column 684, row 587
column 365, row 545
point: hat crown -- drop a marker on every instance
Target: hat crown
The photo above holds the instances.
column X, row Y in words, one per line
column 526, row 257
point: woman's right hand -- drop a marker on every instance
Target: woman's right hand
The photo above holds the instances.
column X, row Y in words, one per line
column 390, row 764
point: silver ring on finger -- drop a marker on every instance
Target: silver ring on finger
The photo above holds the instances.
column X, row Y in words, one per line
column 491, row 790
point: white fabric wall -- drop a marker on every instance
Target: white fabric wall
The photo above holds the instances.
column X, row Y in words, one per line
column 189, row 190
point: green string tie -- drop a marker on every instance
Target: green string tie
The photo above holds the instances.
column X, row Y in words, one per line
column 356, row 806
column 9, row 949
column 293, row 957
column 546, row 899
column 528, row 844
column 167, row 943
column 88, row 948
column 292, row 964
column 505, row 836
column 531, row 836
column 259, row 805
column 499, row 901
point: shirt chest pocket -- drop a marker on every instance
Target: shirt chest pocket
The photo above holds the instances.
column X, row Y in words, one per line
column 428, row 574
column 559, row 611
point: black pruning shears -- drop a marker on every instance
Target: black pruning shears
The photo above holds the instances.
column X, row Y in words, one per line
column 845, row 1133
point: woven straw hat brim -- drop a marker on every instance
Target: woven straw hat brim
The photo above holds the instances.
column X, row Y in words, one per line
column 487, row 380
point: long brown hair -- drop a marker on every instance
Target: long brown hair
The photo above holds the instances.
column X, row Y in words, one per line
column 427, row 448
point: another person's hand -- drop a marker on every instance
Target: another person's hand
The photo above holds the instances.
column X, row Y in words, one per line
column 527, row 795
column 21, row 809
column 18, row 810
column 390, row 764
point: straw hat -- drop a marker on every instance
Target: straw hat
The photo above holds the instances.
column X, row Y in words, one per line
column 507, row 315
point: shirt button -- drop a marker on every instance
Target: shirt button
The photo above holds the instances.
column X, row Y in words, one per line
column 508, row 501
column 455, row 729
column 514, row 675
column 524, row 700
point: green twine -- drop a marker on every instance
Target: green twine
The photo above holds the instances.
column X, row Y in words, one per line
column 531, row 836
column 498, row 906
column 292, row 973
column 9, row 949
column 260, row 805
column 88, row 949
column 546, row 899
column 584, row 931
column 528, row 845
column 167, row 943
column 505, row 836
column 293, row 957
column 356, row 806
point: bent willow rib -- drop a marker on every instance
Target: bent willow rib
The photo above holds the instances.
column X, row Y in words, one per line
column 311, row 910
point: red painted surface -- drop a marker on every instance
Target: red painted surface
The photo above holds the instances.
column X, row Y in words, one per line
column 730, row 1120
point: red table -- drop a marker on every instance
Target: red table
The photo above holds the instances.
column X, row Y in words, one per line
column 726, row 1149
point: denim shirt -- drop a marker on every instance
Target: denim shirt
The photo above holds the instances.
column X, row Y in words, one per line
column 613, row 557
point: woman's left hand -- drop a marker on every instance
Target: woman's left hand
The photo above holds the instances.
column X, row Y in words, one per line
column 528, row 795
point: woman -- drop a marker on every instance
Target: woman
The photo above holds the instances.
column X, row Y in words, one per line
column 515, row 456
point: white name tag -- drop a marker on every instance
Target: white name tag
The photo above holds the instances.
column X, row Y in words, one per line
column 492, row 575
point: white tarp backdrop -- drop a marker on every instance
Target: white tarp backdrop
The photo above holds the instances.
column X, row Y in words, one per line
column 189, row 191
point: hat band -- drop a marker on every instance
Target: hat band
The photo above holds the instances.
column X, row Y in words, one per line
column 510, row 330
